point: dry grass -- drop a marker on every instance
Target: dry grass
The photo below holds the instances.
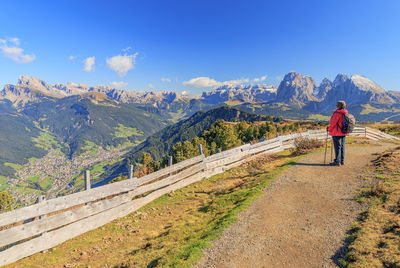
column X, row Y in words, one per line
column 375, row 236
column 305, row 145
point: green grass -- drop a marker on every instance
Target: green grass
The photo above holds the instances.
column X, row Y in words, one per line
column 125, row 132
column 98, row 168
column 45, row 183
column 32, row 159
column 14, row 166
column 318, row 117
column 46, row 141
column 3, row 180
column 34, row 179
column 26, row 190
column 90, row 147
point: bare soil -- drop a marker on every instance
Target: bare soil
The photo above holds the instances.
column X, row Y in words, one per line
column 301, row 219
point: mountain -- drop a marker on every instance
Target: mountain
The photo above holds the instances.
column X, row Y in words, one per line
column 32, row 89
column 16, row 138
column 296, row 89
column 92, row 117
column 356, row 89
column 241, row 92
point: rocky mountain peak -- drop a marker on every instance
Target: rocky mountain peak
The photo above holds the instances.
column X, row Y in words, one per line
column 296, row 89
column 366, row 84
column 247, row 93
column 321, row 91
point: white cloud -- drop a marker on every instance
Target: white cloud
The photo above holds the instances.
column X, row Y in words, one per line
column 262, row 78
column 209, row 82
column 184, row 92
column 89, row 64
column 150, row 85
column 14, row 40
column 165, row 80
column 126, row 50
column 122, row 63
column 10, row 49
column 72, row 57
column 118, row 84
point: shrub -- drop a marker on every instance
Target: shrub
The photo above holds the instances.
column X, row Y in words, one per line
column 305, row 145
column 7, row 202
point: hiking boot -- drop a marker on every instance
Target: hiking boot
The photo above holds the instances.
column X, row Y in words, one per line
column 334, row 164
column 342, row 163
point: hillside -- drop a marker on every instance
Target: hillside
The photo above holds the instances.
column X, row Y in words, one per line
column 94, row 118
column 189, row 128
column 160, row 143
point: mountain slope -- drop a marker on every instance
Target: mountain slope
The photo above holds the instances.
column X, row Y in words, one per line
column 296, row 89
column 161, row 142
column 92, row 117
column 16, row 139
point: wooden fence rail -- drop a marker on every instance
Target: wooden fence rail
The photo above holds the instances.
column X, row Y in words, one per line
column 41, row 226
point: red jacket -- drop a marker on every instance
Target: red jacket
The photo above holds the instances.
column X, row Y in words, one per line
column 336, row 123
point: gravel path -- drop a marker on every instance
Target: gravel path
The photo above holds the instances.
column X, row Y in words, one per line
column 300, row 220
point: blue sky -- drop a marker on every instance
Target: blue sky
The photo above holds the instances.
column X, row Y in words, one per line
column 156, row 45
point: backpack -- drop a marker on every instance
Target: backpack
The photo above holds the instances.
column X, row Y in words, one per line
column 349, row 122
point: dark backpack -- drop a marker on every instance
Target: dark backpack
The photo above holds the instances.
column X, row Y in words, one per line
column 349, row 122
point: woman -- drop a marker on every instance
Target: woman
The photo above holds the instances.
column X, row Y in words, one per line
column 335, row 130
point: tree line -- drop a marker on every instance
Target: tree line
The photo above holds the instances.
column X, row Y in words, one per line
column 220, row 136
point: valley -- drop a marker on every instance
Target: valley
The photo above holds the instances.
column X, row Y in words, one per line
column 55, row 174
column 50, row 134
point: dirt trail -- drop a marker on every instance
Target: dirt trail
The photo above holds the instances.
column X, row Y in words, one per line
column 300, row 220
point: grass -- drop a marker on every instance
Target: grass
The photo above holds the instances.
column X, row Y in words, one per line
column 45, row 183
column 374, row 238
column 14, row 166
column 46, row 141
column 318, row 117
column 3, row 180
column 172, row 230
column 392, row 129
column 90, row 148
column 125, row 132
column 97, row 169
column 3, row 187
column 370, row 109
column 33, row 179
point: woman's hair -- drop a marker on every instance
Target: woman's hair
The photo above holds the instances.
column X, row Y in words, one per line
column 341, row 105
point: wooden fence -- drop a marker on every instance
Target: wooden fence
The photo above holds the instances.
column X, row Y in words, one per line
column 41, row 226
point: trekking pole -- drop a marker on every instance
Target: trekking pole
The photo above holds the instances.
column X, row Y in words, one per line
column 326, row 146
column 331, row 150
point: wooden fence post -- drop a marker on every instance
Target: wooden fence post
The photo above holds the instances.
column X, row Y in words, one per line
column 87, row 179
column 41, row 199
column 200, row 149
column 169, row 163
column 130, row 176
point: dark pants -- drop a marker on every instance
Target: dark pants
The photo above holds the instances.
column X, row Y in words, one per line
column 338, row 143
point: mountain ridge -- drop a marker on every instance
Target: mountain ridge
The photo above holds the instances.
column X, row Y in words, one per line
column 295, row 89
